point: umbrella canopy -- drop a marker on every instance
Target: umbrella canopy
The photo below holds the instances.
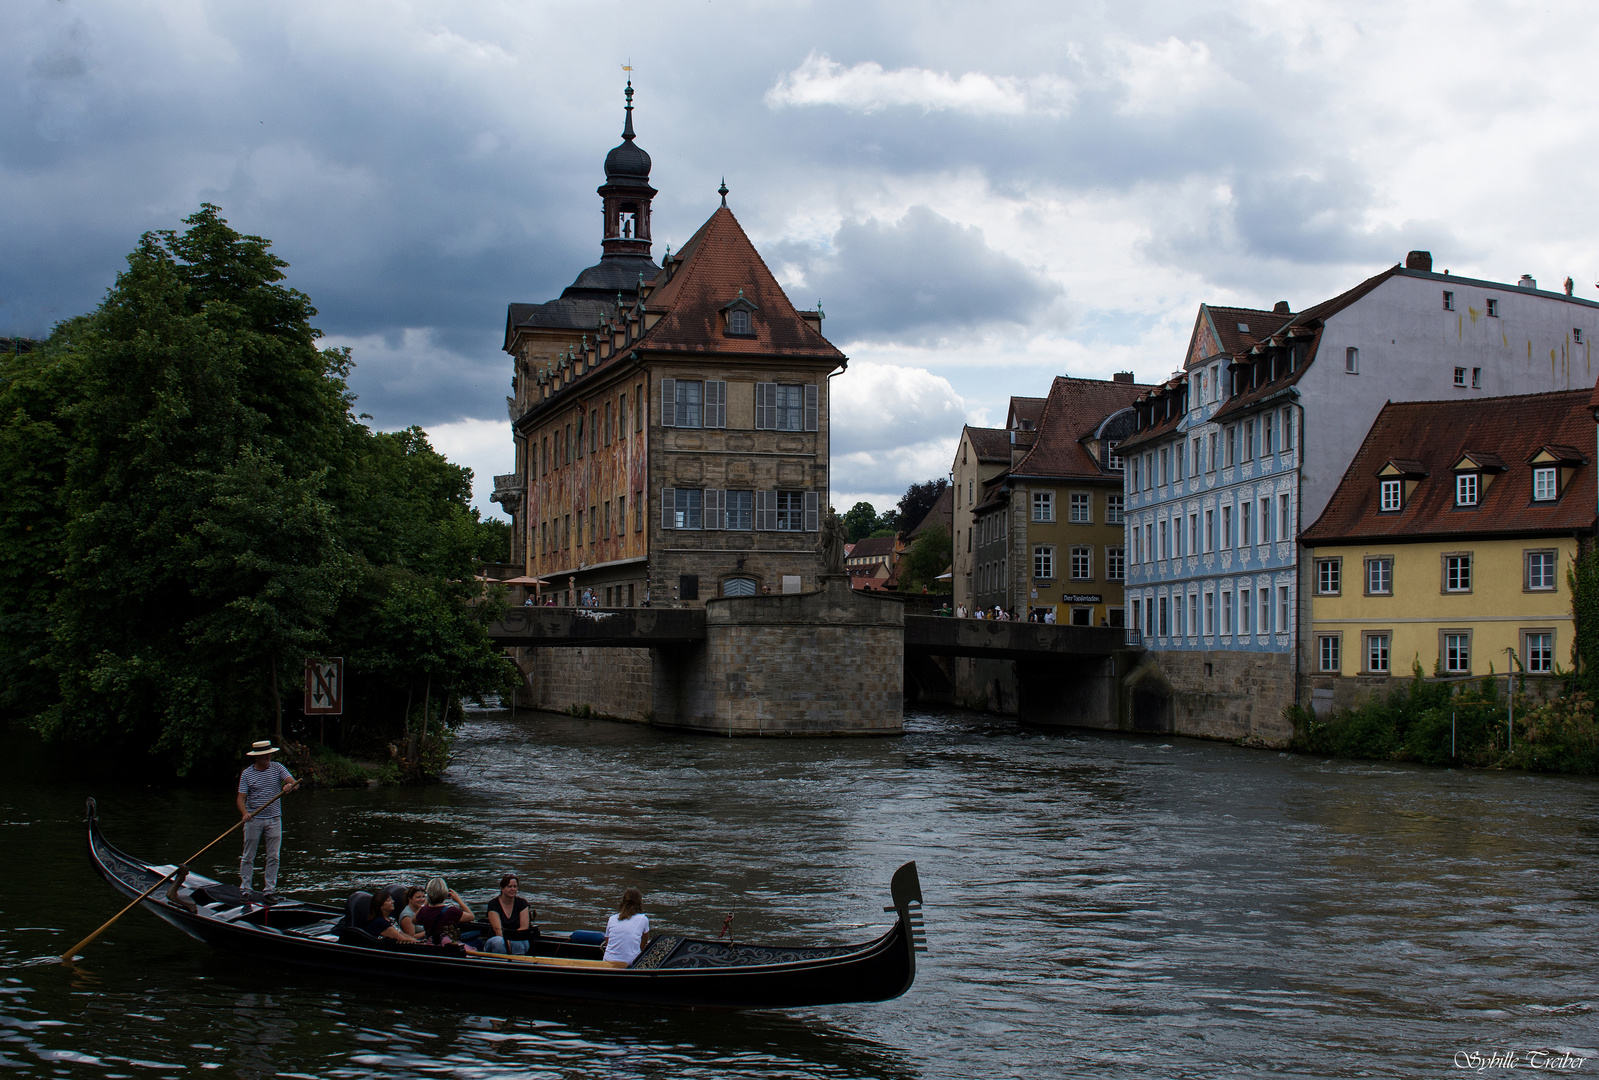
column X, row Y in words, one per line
column 523, row 580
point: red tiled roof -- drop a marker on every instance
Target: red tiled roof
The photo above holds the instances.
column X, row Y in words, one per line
column 1024, row 408
column 715, row 268
column 1073, row 411
column 1437, row 434
column 873, row 547
column 942, row 512
column 1236, row 328
column 991, row 444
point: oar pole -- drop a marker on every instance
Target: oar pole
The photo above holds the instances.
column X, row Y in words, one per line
column 66, row 957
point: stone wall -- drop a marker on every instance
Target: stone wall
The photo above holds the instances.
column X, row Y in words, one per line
column 616, row 683
column 1238, row 696
column 986, row 685
column 829, row 662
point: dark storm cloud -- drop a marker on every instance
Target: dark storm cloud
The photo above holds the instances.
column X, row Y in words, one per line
column 920, row 279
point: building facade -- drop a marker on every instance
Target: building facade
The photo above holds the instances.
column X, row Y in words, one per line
column 981, row 455
column 1048, row 537
column 676, row 449
column 1249, row 442
column 1447, row 543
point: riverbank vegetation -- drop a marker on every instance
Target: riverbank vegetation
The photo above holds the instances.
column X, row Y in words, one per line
column 1469, row 724
column 192, row 510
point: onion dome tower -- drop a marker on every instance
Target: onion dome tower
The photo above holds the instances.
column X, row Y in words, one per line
column 627, row 193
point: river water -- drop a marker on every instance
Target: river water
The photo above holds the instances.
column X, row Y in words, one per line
column 1096, row 905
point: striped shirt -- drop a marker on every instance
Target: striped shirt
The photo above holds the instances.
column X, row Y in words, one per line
column 259, row 785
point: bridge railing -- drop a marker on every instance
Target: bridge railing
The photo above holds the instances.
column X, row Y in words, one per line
column 1135, row 636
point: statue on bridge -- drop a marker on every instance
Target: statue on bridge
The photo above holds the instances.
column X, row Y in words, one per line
column 831, row 547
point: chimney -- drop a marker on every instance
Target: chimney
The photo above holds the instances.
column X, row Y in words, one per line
column 1570, row 285
column 1122, row 376
column 1527, row 282
column 1280, row 308
column 1419, row 260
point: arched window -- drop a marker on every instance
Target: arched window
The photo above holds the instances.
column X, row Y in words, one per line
column 738, row 322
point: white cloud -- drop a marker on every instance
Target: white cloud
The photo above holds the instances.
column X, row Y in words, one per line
column 867, row 88
column 485, row 447
column 1170, row 76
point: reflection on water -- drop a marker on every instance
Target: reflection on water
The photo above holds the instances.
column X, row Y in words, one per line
column 1094, row 903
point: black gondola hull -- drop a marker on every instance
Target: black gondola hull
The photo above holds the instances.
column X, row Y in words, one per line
column 874, row 971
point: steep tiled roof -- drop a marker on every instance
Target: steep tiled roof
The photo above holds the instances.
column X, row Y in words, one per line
column 942, row 512
column 991, row 444
column 1025, row 408
column 873, row 547
column 1434, row 435
column 1073, row 411
column 716, row 267
column 1238, row 328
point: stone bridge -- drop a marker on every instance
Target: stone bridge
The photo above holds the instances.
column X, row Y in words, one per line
column 829, row 662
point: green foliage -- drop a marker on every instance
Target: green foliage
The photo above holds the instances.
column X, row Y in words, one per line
column 1583, row 577
column 860, row 521
column 493, row 540
column 927, row 558
column 917, row 501
column 191, row 511
column 1458, row 724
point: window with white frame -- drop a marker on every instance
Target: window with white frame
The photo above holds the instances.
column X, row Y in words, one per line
column 1352, row 360
column 1115, row 563
column 1227, row 526
column 1113, row 460
column 1043, row 506
column 1082, row 563
column 1393, row 495
column 1327, row 653
column 790, row 511
column 1264, row 625
column 1493, row 308
column 1043, row 562
column 1538, row 651
column 690, row 404
column 1377, row 653
column 1540, row 571
column 1226, row 612
column 740, row 510
column 1476, row 378
column 1460, row 376
column 1113, row 509
column 1246, row 523
column 1285, row 527
column 1380, row 576
column 1283, row 610
column 1210, row 530
column 1082, row 507
column 1164, row 532
column 1457, row 653
column 1576, row 335
column 1466, row 489
column 1244, row 611
column 1210, row 613
column 786, row 408
column 1329, row 577
column 1545, row 484
column 1193, row 613
column 1449, row 300
column 1457, row 573
column 688, row 508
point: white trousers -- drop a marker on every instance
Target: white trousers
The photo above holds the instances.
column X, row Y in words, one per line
column 254, row 831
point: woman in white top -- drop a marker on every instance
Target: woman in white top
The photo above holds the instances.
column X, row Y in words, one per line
column 628, row 931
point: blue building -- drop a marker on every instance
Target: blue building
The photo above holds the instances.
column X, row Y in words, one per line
column 1244, row 446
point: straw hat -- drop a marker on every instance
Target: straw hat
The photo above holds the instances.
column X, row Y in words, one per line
column 261, row 748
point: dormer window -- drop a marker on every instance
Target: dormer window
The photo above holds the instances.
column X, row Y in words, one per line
column 740, row 317
column 1393, row 496
column 1466, row 489
column 1545, row 484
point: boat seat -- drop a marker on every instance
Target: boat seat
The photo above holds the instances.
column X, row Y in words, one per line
column 357, row 908
column 586, row 937
column 398, row 892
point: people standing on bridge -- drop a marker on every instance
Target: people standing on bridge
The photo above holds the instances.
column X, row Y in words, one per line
column 259, row 783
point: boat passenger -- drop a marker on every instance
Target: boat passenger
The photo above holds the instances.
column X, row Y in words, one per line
column 415, row 898
column 379, row 918
column 510, row 921
column 628, row 931
column 441, row 921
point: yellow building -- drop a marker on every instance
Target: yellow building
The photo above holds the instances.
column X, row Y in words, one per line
column 1448, row 540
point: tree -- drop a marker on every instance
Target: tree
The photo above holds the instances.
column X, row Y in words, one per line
column 925, row 560
column 191, row 511
column 860, row 521
column 917, row 501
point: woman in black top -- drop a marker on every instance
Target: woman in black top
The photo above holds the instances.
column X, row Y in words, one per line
column 381, row 923
column 510, row 921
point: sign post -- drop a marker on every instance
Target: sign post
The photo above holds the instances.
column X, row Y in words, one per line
column 324, row 689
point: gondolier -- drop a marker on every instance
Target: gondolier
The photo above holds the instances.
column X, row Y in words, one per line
column 260, row 781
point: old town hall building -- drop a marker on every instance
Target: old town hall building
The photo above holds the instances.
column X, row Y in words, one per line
column 671, row 421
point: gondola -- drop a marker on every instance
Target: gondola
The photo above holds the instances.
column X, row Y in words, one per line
column 674, row 970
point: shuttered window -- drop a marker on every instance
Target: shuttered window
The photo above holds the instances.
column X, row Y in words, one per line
column 812, row 511
column 765, row 511
column 668, row 402
column 715, row 514
column 715, row 404
column 668, row 507
column 779, row 407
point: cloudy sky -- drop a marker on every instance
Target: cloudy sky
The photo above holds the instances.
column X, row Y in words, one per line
column 981, row 196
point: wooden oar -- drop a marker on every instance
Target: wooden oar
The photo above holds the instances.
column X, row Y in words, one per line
column 66, row 957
